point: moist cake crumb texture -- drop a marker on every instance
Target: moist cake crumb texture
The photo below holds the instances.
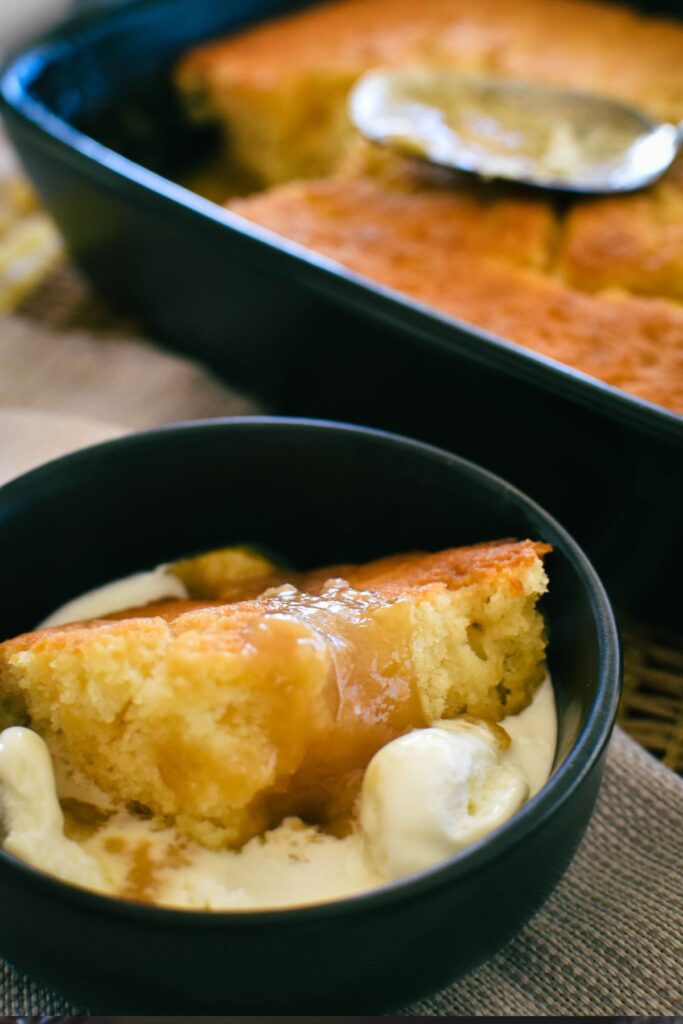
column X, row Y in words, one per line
column 223, row 716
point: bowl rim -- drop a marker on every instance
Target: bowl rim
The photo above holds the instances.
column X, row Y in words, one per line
column 585, row 753
column 438, row 328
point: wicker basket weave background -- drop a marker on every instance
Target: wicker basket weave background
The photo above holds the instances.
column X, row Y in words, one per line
column 652, row 703
column 36, row 282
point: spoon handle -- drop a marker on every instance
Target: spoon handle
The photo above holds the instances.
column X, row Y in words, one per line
column 679, row 135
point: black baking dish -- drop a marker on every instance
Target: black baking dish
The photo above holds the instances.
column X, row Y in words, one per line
column 93, row 115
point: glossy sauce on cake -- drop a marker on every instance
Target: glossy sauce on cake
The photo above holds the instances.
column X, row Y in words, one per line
column 199, row 738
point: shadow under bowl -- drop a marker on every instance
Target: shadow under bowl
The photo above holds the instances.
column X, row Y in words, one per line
column 315, row 493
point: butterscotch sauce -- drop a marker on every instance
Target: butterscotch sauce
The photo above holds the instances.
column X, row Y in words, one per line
column 373, row 699
column 142, row 878
column 322, row 748
column 148, row 865
column 82, row 819
column 114, row 844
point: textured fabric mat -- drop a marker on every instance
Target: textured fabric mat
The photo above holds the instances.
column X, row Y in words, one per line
column 115, row 378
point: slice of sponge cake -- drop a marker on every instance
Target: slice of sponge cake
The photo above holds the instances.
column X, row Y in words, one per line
column 224, row 717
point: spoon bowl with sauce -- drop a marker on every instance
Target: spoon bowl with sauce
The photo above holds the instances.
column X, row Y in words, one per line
column 538, row 135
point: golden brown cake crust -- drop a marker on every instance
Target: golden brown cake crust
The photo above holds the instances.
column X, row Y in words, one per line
column 510, row 266
column 596, row 284
column 391, row 576
column 587, row 45
column 453, row 568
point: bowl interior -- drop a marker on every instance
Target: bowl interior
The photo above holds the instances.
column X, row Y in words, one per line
column 314, row 494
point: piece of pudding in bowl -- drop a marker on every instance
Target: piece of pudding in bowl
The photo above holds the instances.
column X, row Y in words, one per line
column 319, row 494
column 223, row 732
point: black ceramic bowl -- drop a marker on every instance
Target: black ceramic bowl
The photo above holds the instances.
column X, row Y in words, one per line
column 317, row 493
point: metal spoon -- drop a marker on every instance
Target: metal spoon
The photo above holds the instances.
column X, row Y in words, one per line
column 538, row 135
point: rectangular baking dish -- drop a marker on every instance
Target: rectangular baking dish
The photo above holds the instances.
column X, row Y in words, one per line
column 93, row 115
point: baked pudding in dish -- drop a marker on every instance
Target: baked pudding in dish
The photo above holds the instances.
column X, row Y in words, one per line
column 227, row 732
column 596, row 283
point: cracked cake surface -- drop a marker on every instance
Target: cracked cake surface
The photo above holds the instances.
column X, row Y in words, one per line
column 594, row 283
